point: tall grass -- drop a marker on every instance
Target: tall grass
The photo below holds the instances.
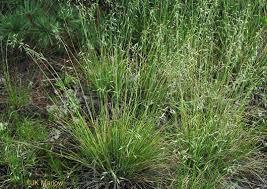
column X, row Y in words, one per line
column 193, row 64
column 124, row 151
column 204, row 59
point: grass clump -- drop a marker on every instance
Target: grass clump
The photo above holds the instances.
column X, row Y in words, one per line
column 209, row 145
column 121, row 150
column 158, row 94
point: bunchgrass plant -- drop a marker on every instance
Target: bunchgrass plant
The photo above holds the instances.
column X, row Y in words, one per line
column 161, row 91
column 124, row 151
